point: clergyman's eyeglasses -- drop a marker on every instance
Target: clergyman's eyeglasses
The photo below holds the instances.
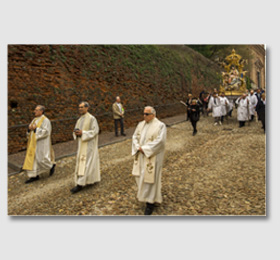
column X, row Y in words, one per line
column 147, row 114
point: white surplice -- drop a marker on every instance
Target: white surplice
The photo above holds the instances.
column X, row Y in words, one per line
column 230, row 105
column 215, row 105
column 224, row 105
column 91, row 172
column 42, row 160
column 254, row 101
column 153, row 147
column 242, row 109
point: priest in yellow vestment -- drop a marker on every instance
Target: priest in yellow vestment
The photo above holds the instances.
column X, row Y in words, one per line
column 39, row 155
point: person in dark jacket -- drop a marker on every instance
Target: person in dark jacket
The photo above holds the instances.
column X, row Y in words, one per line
column 193, row 110
column 188, row 103
column 258, row 94
column 202, row 96
column 261, row 108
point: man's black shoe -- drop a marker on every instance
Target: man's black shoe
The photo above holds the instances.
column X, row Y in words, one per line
column 32, row 179
column 123, row 134
column 76, row 189
column 194, row 133
column 52, row 170
column 116, row 135
column 149, row 209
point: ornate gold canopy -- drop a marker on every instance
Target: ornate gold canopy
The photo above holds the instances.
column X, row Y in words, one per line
column 234, row 82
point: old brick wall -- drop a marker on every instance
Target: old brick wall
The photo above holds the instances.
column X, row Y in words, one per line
column 60, row 76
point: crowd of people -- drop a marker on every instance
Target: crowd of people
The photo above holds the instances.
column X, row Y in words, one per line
column 249, row 105
column 148, row 140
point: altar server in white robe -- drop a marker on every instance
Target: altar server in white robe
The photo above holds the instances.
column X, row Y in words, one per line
column 254, row 101
column 230, row 107
column 148, row 146
column 224, row 106
column 87, row 170
column 215, row 105
column 243, row 104
column 39, row 157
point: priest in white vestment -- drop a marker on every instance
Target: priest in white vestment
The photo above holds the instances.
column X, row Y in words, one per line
column 215, row 105
column 224, row 106
column 87, row 170
column 39, row 157
column 148, row 145
column 254, row 101
column 243, row 104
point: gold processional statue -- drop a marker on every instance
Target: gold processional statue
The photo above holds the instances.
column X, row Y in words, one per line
column 234, row 82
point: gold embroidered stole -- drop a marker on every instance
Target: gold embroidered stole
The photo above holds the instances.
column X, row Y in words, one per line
column 52, row 152
column 136, row 164
column 31, row 147
column 82, row 156
column 149, row 163
column 150, row 170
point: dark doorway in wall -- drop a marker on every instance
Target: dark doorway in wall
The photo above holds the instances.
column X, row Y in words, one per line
column 13, row 104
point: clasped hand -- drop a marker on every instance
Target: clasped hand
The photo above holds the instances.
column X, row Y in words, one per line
column 78, row 132
column 32, row 127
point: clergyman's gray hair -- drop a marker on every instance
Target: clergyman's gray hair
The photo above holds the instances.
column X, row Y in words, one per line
column 85, row 103
column 42, row 108
column 153, row 111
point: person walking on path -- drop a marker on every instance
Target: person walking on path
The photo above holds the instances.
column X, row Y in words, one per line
column 148, row 146
column 230, row 107
column 40, row 155
column 258, row 94
column 87, row 170
column 206, row 102
column 202, row 96
column 254, row 101
column 224, row 106
column 194, row 111
column 243, row 104
column 215, row 105
column 188, row 103
column 118, row 115
column 261, row 109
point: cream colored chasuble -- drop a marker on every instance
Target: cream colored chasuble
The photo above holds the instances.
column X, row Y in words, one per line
column 84, row 144
column 146, row 133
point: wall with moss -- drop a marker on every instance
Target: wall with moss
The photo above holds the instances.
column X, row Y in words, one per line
column 60, row 76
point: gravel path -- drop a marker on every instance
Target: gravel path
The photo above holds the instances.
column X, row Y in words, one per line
column 220, row 171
